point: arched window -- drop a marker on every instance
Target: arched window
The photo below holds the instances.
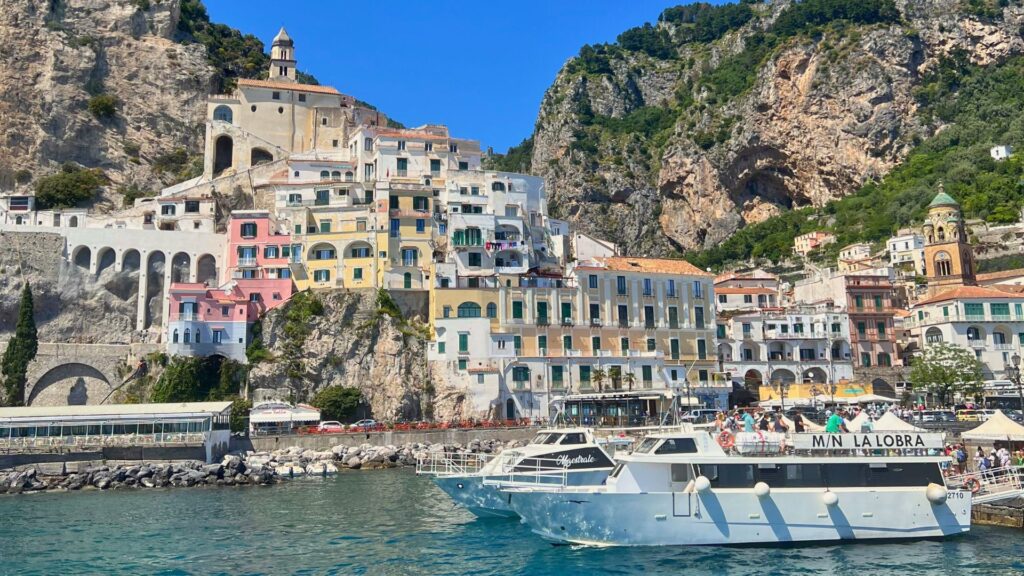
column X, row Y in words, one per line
column 188, row 335
column 174, row 337
column 933, row 336
column 492, row 310
column 943, row 265
column 368, row 144
column 998, row 338
column 349, row 176
column 469, row 310
column 222, row 113
column 941, row 233
column 497, row 187
column 336, row 175
column 325, row 175
column 17, row 220
column 72, row 222
column 197, row 336
column 973, row 333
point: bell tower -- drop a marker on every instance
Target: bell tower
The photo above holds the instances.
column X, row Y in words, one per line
column 948, row 257
column 282, row 58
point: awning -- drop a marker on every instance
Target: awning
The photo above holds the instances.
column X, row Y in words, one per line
column 998, row 427
column 284, row 415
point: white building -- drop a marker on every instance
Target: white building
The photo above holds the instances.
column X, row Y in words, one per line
column 987, row 321
column 1001, row 152
column 746, row 291
column 907, row 249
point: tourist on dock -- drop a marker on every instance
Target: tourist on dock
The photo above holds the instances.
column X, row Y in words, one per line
column 1018, row 458
column 765, row 424
column 748, row 421
column 836, row 424
column 780, row 424
column 798, row 422
column 868, row 425
column 979, row 458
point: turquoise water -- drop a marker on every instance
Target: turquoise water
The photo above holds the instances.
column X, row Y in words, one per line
column 391, row 522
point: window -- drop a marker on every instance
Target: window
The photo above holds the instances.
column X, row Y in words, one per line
column 474, row 190
column 473, row 259
column 325, row 226
column 595, row 313
column 674, row 348
column 462, row 364
column 646, row 375
column 566, row 342
column 557, row 380
column 463, row 166
column 836, row 328
column 884, row 360
column 167, row 210
column 648, row 316
column 174, row 337
column 542, row 344
column 401, row 144
column 673, row 317
column 698, row 317
column 652, row 344
column 624, row 344
column 698, row 289
column 865, row 359
column 702, row 349
column 723, row 299
column 671, row 288
column 275, row 95
column 435, row 166
column 360, row 252
column 862, row 329
column 357, row 273
column 270, row 252
column 492, row 310
column 878, row 302
column 394, row 227
column 858, row 302
column 218, row 336
column 592, row 281
column 520, row 373
column 595, row 343
column 463, row 342
column 880, row 326
column 517, row 343
column 403, row 167
column 248, row 230
column 648, row 287
column 321, row 275
column 469, row 310
column 421, row 225
column 585, row 375
column 517, row 309
column 720, row 333
column 620, row 285
column 453, row 148
column 191, row 206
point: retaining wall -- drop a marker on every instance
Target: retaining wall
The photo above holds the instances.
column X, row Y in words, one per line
column 394, row 438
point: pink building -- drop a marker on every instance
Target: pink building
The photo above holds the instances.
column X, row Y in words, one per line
column 206, row 321
column 258, row 258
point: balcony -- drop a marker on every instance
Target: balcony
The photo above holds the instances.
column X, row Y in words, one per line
column 623, row 323
column 543, row 321
column 1002, row 346
column 977, row 344
column 187, row 316
column 567, row 321
column 421, row 214
column 596, row 322
column 776, row 335
column 247, row 262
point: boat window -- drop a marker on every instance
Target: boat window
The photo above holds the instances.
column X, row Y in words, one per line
column 574, row 438
column 553, row 439
column 677, row 446
column 729, row 475
column 800, row 476
column 541, row 438
column 646, row 446
column 681, row 473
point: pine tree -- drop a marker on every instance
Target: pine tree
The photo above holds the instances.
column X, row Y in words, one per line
column 21, row 349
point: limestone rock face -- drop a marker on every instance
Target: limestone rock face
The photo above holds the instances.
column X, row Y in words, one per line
column 59, row 54
column 349, row 345
column 819, row 120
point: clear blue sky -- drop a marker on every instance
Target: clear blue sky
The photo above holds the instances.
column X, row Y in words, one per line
column 480, row 67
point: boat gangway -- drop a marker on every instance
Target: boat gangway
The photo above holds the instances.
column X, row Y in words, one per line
column 452, row 463
column 991, row 485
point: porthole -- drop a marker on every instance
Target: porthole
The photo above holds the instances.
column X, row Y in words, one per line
column 253, row 108
column 280, row 109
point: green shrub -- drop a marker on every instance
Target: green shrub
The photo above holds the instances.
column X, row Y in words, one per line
column 72, row 186
column 103, row 106
column 337, row 402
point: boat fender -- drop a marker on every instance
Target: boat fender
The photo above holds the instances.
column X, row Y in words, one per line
column 830, row 498
column 762, row 489
column 973, row 484
column 702, row 484
column 936, row 494
column 726, row 439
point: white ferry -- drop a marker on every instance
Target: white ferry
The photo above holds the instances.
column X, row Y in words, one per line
column 574, row 451
column 685, row 489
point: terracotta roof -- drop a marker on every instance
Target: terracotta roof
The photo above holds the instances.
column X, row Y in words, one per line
column 735, row 290
column 901, row 313
column 288, row 86
column 1001, row 275
column 651, row 265
column 744, row 276
column 420, row 135
column 969, row 292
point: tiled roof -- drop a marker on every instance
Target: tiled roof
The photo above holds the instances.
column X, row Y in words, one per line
column 968, row 293
column 288, row 86
column 741, row 290
column 650, row 265
column 1001, row 275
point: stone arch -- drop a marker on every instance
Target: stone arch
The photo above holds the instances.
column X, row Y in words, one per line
column 181, row 265
column 725, row 352
column 752, row 381
column 933, row 335
column 82, row 257
column 840, row 349
column 943, row 264
column 105, row 258
column 155, row 264
column 259, row 156
column 18, row 220
column 70, row 382
column 322, row 251
column 976, row 333
column 223, row 113
column 358, row 247
column 206, row 270
column 815, row 376
column 131, row 260
column 783, row 375
column 223, row 153
column 73, row 222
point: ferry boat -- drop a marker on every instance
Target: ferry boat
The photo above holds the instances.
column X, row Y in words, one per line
column 684, row 488
column 578, row 457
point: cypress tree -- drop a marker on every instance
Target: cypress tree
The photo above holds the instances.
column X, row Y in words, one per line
column 21, row 349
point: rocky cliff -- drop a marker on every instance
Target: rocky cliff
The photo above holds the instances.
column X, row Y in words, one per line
column 59, row 55
column 351, row 340
column 784, row 107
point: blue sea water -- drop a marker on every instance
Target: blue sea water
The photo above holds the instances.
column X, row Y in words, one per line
column 391, row 522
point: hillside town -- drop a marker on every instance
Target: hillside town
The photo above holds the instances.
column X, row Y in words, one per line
column 526, row 316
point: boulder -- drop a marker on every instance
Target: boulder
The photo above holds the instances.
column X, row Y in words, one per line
column 354, row 463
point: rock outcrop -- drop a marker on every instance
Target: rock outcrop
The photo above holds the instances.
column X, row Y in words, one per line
column 59, row 54
column 351, row 343
column 823, row 115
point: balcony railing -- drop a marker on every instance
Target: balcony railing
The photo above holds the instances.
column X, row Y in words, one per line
column 567, row 321
column 595, row 322
column 247, row 262
column 777, row 335
column 1003, row 346
column 977, row 344
column 543, row 321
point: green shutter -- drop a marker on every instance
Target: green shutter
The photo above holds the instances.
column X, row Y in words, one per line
column 463, row 342
column 517, row 309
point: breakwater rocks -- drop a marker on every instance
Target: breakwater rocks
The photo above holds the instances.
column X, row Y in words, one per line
column 249, row 469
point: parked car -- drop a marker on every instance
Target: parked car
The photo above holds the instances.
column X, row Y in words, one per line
column 968, row 416
column 699, row 416
column 365, row 424
column 330, row 427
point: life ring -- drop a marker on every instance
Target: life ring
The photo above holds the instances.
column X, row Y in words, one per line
column 973, row 484
column 726, row 439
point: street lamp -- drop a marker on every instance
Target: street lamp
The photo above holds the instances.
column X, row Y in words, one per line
column 781, row 387
column 1013, row 373
column 686, row 383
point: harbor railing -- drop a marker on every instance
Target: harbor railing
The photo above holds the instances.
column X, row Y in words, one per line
column 452, row 463
column 47, row 443
column 514, row 471
column 991, row 485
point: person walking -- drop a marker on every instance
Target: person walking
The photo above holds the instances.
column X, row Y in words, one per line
column 836, row 424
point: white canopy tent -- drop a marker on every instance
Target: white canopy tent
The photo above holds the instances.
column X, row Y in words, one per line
column 890, row 422
column 998, row 427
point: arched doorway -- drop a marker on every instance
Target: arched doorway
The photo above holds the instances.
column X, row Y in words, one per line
column 106, row 258
column 259, row 156
column 180, row 266
column 223, row 152
column 82, row 257
column 752, row 381
column 510, row 409
column 783, row 375
column 206, row 270
column 155, row 288
column 815, row 376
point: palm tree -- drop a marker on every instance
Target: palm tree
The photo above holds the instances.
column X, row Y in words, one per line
column 598, row 376
column 630, row 379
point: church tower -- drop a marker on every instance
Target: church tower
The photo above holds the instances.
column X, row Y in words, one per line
column 282, row 58
column 949, row 259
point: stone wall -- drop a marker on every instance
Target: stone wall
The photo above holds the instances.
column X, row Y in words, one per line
column 389, row 438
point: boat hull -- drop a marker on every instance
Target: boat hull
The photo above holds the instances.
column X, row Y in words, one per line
column 470, row 492
column 738, row 516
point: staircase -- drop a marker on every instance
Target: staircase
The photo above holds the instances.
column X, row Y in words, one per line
column 991, row 486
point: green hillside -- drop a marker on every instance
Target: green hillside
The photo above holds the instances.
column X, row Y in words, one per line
column 979, row 107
